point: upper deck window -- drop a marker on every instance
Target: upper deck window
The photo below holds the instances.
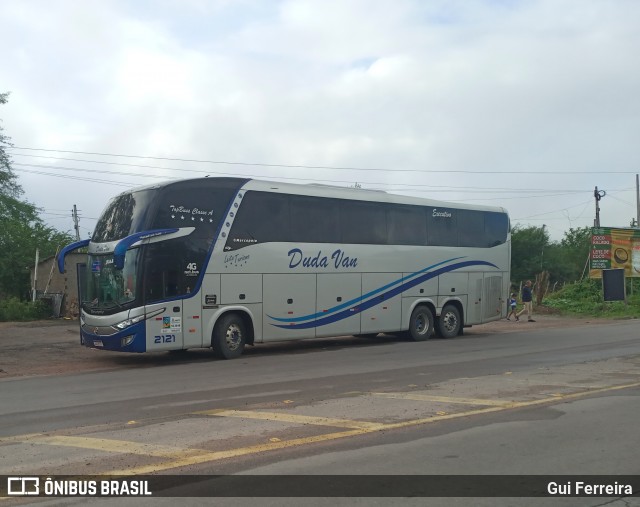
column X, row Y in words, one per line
column 266, row 217
column 124, row 215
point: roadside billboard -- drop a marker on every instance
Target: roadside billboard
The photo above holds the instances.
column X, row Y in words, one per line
column 613, row 248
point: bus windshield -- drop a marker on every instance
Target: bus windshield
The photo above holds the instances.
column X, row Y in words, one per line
column 107, row 287
column 124, row 215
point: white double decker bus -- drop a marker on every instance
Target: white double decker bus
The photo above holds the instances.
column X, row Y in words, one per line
column 230, row 262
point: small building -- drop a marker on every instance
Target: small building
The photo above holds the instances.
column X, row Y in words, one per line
column 61, row 289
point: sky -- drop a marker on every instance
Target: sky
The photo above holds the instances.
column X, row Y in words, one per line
column 527, row 105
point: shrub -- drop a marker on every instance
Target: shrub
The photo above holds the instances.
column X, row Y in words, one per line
column 12, row 309
column 586, row 298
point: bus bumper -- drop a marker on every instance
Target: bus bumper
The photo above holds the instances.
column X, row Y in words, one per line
column 131, row 339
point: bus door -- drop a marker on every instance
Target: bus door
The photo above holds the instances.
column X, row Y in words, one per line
column 494, row 300
column 162, row 288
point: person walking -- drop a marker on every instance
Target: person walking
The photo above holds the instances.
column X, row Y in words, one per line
column 513, row 302
column 527, row 300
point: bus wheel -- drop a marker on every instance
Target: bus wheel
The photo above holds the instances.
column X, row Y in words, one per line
column 421, row 324
column 449, row 323
column 229, row 337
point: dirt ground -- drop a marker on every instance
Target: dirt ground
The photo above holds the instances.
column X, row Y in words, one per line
column 52, row 347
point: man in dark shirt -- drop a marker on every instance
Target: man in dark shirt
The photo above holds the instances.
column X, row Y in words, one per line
column 527, row 299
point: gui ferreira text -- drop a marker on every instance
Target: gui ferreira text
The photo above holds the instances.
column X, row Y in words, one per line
column 582, row 488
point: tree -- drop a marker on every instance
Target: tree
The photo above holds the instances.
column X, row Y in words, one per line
column 576, row 246
column 529, row 247
column 8, row 180
column 22, row 231
column 532, row 253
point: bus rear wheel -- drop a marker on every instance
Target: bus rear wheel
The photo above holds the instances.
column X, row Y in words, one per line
column 229, row 337
column 421, row 324
column 449, row 323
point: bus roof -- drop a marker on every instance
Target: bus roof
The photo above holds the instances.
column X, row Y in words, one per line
column 323, row 190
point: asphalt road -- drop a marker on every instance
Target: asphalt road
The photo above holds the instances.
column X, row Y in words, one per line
column 541, row 402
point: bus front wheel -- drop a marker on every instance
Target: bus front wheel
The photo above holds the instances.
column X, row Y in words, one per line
column 229, row 337
column 449, row 323
column 421, row 324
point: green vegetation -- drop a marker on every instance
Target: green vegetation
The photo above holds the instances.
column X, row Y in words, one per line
column 22, row 230
column 585, row 298
column 564, row 264
column 12, row 309
column 532, row 253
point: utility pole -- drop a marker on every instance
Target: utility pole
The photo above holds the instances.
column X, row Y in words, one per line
column 35, row 276
column 74, row 214
column 598, row 194
column 543, row 242
column 637, row 201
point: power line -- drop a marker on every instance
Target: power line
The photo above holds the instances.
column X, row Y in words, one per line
column 222, row 162
column 302, row 166
column 417, row 187
column 412, row 189
column 586, row 203
column 389, row 187
column 138, row 175
column 143, row 175
column 92, row 180
column 48, row 212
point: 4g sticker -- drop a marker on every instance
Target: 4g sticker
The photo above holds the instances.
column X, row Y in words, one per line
column 192, row 269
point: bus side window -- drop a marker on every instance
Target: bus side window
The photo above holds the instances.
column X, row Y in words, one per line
column 496, row 227
column 406, row 225
column 314, row 219
column 363, row 223
column 442, row 226
column 471, row 229
column 263, row 217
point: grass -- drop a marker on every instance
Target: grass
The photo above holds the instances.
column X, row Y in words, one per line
column 14, row 310
column 585, row 299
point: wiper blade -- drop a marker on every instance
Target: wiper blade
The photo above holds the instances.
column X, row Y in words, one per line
column 114, row 305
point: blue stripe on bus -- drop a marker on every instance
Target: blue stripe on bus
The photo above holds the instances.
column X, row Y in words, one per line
column 387, row 295
column 361, row 298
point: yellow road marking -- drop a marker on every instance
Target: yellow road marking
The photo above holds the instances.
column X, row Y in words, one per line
column 294, row 418
column 243, row 451
column 104, row 444
column 187, row 460
column 190, row 457
column 442, row 399
column 19, row 438
column 515, row 404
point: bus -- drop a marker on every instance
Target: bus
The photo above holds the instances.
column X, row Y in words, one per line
column 229, row 262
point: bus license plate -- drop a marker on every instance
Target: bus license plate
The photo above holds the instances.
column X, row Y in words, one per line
column 98, row 343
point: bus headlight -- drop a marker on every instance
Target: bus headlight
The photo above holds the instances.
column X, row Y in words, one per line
column 134, row 320
column 127, row 340
column 130, row 322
